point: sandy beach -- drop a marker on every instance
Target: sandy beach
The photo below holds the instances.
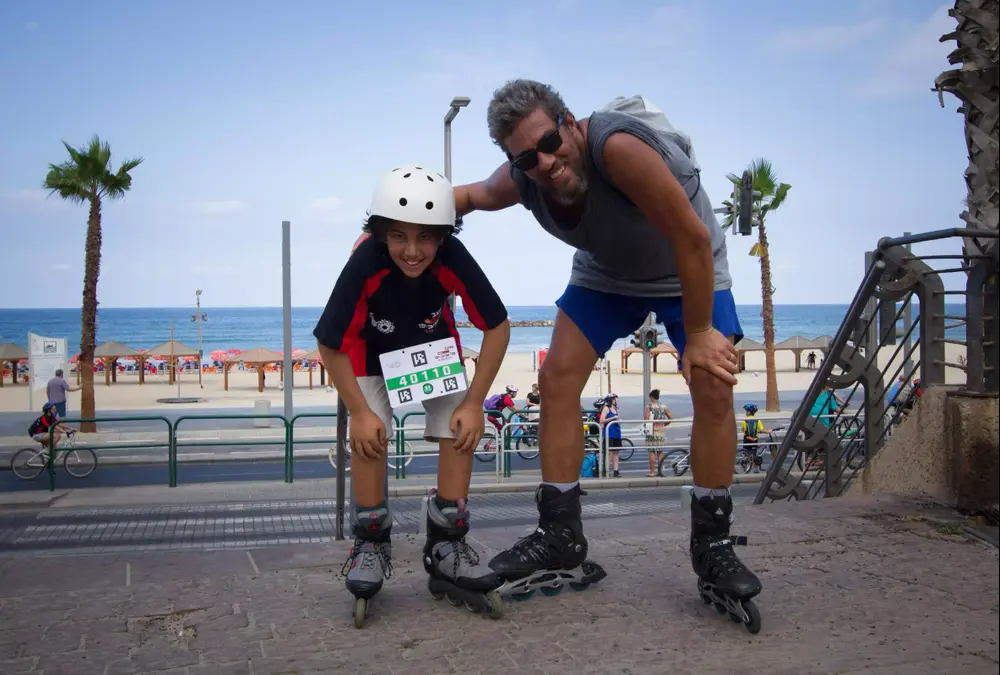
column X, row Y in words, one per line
column 127, row 394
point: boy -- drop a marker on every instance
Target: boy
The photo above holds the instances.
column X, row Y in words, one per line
column 752, row 428
column 392, row 295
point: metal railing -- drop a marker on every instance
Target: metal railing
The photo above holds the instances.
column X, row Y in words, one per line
column 886, row 368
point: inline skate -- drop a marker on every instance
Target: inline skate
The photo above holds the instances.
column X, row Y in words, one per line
column 453, row 565
column 370, row 560
column 554, row 555
column 723, row 580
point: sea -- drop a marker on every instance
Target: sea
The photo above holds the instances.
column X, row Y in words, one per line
column 249, row 327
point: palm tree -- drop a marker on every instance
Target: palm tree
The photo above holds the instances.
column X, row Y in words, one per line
column 768, row 195
column 87, row 178
column 976, row 85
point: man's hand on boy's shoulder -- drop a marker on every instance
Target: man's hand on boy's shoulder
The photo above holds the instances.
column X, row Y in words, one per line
column 468, row 425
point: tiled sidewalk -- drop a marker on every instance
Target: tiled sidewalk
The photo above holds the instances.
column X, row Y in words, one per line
column 877, row 586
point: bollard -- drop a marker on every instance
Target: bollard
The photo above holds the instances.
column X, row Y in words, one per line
column 686, row 493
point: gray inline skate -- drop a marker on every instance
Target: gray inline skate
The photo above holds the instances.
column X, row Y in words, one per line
column 370, row 560
column 723, row 580
column 554, row 555
column 453, row 565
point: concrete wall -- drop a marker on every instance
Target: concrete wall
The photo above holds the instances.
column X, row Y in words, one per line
column 948, row 448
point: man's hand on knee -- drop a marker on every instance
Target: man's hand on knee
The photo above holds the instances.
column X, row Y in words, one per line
column 713, row 352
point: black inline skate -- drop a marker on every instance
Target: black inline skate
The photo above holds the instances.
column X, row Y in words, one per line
column 722, row 579
column 453, row 565
column 554, row 554
column 370, row 560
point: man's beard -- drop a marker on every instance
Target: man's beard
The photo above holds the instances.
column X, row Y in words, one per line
column 572, row 192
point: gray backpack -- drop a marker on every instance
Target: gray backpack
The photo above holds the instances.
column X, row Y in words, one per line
column 645, row 110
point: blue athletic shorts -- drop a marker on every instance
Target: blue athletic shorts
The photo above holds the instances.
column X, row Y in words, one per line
column 606, row 317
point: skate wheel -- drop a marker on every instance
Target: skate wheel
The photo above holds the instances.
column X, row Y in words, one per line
column 360, row 607
column 437, row 596
column 520, row 597
column 551, row 590
column 753, row 621
column 577, row 586
column 454, row 602
column 494, row 604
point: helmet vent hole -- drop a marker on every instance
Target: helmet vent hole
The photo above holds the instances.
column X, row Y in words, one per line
column 419, row 168
column 402, row 201
column 430, row 178
column 406, row 175
column 429, row 206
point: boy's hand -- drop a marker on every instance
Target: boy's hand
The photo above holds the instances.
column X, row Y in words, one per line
column 468, row 425
column 368, row 437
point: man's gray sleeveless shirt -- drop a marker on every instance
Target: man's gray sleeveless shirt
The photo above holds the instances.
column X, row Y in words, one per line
column 618, row 249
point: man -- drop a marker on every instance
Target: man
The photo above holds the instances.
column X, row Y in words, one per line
column 630, row 201
column 56, row 389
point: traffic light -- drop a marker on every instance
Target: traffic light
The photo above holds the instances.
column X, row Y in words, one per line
column 745, row 210
column 651, row 337
column 637, row 338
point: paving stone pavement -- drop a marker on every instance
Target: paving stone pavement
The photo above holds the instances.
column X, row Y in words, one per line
column 854, row 585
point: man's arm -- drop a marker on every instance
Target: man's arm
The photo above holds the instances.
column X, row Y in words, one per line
column 493, row 194
column 640, row 172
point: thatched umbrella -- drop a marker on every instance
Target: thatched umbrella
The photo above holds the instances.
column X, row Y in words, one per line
column 12, row 354
column 796, row 344
column 109, row 352
column 258, row 357
column 171, row 350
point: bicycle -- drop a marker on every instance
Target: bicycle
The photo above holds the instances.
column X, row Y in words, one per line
column 524, row 434
column 679, row 460
column 28, row 463
column 390, row 455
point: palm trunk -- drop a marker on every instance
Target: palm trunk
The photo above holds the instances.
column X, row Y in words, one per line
column 88, row 315
column 767, row 314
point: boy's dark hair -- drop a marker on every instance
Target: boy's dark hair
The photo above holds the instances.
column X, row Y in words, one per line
column 377, row 226
column 654, row 394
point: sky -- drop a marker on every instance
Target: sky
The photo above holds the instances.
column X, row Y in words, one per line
column 249, row 113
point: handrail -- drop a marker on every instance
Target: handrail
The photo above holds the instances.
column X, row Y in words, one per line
column 171, row 448
column 253, row 416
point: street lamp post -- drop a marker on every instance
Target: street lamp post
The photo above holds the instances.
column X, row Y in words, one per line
column 201, row 353
column 457, row 104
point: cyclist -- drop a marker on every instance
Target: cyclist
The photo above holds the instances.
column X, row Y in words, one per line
column 39, row 429
column 752, row 428
column 498, row 403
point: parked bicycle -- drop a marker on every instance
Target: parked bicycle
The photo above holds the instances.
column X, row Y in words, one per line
column 28, row 463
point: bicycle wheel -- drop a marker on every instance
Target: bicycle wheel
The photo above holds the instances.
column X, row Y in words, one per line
column 527, row 442
column 623, row 454
column 79, row 462
column 744, row 461
column 668, row 458
column 27, row 463
column 347, row 458
column 488, row 452
column 855, row 452
column 392, row 456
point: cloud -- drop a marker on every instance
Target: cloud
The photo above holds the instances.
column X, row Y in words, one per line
column 23, row 196
column 218, row 207
column 911, row 65
column 60, row 267
column 835, row 37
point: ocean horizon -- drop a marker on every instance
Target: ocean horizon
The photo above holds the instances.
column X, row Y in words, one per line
column 248, row 327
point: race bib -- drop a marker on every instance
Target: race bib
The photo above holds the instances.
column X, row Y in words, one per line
column 422, row 372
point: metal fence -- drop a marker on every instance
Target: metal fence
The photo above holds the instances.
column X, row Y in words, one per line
column 885, row 367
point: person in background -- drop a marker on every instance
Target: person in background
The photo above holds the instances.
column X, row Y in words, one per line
column 656, row 438
column 55, row 391
column 534, row 403
column 612, row 432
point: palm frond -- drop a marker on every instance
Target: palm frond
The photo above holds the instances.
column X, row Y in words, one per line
column 779, row 196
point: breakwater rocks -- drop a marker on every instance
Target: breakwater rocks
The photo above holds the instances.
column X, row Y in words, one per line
column 541, row 323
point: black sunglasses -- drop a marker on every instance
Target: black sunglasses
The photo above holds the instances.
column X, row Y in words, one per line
column 549, row 143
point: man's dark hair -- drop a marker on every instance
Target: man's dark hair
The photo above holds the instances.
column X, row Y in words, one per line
column 654, row 394
column 517, row 99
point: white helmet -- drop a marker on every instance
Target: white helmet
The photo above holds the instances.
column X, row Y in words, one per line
column 413, row 194
column 511, row 389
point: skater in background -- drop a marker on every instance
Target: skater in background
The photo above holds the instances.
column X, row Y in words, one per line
column 629, row 197
column 392, row 294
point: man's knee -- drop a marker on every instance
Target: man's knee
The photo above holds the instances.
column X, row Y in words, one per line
column 711, row 397
column 560, row 378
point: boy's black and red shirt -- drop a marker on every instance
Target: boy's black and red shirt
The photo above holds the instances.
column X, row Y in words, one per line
column 375, row 308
